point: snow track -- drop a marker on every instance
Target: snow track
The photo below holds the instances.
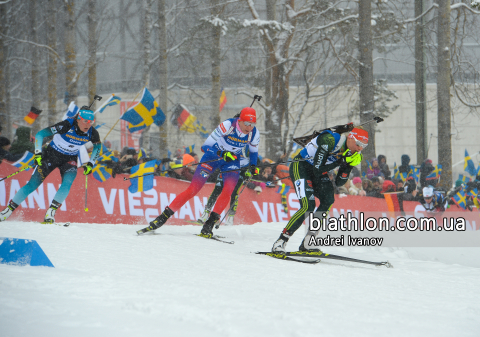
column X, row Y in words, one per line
column 108, row 281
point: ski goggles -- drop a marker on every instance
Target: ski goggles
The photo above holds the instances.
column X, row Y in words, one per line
column 249, row 124
column 88, row 121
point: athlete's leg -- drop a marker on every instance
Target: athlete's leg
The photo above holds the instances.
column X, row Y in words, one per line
column 301, row 177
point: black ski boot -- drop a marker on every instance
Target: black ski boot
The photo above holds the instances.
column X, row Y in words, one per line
column 158, row 222
column 208, row 225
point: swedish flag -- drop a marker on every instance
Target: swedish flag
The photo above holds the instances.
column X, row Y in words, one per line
column 460, row 199
column 369, row 165
column 469, row 166
column 26, row 160
column 189, row 149
column 295, row 150
column 283, row 189
column 107, row 156
column 140, row 182
column 101, row 173
column 473, row 193
column 396, row 173
column 113, row 100
column 435, row 173
column 463, row 178
column 142, row 153
column 416, row 173
column 144, row 113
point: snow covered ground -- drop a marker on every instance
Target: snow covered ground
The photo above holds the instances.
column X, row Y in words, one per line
column 108, row 281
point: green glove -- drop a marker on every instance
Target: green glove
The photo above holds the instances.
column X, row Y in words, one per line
column 227, row 156
column 251, row 169
column 354, row 159
column 87, row 169
column 38, row 159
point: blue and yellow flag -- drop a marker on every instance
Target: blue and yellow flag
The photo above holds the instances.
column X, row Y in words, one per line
column 111, row 101
column 295, row 150
column 26, row 160
column 283, row 189
column 473, row 193
column 369, row 165
column 142, row 153
column 460, row 199
column 469, row 166
column 189, row 149
column 143, row 182
column 415, row 173
column 463, row 178
column 435, row 173
column 223, row 99
column 144, row 113
column 396, row 173
column 107, row 156
column 101, row 173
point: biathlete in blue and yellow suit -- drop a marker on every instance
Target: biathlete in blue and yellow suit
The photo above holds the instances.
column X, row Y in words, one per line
column 310, row 177
column 224, row 145
column 62, row 152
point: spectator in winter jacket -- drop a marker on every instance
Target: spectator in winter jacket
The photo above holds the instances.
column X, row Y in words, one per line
column 425, row 170
column 388, row 186
column 384, row 169
column 405, row 167
column 375, row 170
column 5, row 153
column 345, row 188
column 356, row 187
column 377, row 187
column 367, row 185
column 22, row 141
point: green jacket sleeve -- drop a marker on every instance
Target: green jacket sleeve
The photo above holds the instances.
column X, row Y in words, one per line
column 325, row 144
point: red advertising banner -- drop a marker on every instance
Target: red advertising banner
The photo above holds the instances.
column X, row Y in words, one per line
column 111, row 202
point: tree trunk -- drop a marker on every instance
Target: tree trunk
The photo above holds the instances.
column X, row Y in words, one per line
column 92, row 52
column 147, row 28
column 366, row 89
column 274, row 115
column 70, row 52
column 35, row 83
column 4, row 118
column 443, row 93
column 215, row 57
column 52, row 62
column 163, row 74
column 420, row 84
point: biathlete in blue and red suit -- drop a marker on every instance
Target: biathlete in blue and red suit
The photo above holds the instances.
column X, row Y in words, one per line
column 225, row 144
column 62, row 152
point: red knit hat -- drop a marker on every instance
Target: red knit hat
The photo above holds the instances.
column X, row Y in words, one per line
column 248, row 115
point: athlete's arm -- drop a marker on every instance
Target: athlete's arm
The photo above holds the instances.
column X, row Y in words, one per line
column 97, row 146
column 253, row 148
column 325, row 144
column 211, row 144
column 60, row 128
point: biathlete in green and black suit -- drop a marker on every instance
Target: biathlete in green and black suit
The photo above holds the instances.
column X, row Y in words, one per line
column 310, row 177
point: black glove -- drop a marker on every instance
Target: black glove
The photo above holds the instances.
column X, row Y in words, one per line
column 87, row 169
column 166, row 160
column 227, row 155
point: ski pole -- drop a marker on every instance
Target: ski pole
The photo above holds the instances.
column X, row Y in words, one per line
column 21, row 170
column 272, row 164
column 86, row 180
column 255, row 97
column 149, row 174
